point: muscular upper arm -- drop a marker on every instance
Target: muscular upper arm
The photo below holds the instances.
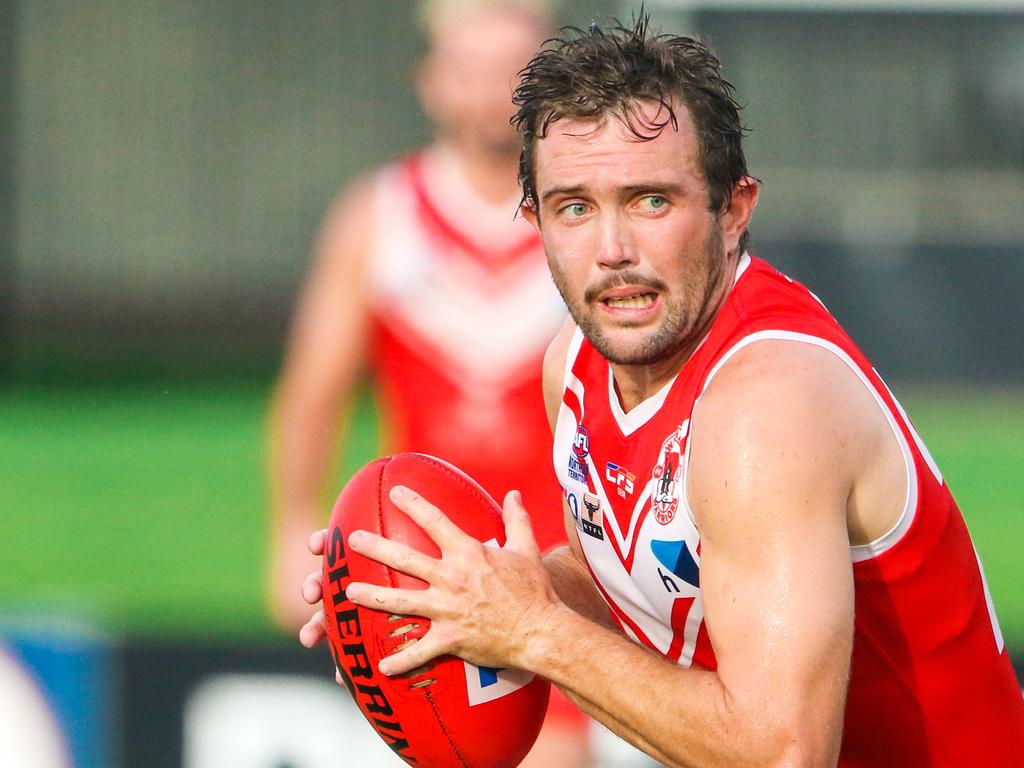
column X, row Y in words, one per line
column 776, row 448
column 330, row 319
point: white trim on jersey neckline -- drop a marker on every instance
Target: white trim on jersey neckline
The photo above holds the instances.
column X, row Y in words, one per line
column 453, row 195
column 640, row 414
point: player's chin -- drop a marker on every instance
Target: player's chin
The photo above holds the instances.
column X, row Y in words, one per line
column 629, row 331
column 625, row 346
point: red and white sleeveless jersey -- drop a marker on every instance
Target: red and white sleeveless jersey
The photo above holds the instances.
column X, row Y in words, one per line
column 931, row 682
column 464, row 308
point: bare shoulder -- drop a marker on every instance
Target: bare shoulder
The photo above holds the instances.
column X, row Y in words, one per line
column 782, row 423
column 554, row 368
column 347, row 226
column 327, row 333
column 783, row 374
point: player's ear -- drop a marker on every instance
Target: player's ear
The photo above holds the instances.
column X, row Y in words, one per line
column 529, row 212
column 425, row 80
column 739, row 210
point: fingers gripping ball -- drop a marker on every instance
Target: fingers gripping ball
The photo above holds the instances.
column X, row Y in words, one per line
column 449, row 714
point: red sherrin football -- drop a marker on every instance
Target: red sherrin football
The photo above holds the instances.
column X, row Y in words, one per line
column 450, row 714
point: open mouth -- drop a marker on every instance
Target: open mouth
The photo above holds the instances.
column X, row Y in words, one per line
column 636, row 301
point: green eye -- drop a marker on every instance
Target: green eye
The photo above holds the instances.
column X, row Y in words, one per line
column 575, row 210
column 655, row 202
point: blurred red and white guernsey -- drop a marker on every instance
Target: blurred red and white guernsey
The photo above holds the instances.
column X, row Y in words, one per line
column 931, row 682
column 464, row 308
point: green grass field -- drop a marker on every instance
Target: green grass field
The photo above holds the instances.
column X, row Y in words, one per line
column 144, row 510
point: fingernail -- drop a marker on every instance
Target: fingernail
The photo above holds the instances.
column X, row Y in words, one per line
column 384, row 667
column 397, row 492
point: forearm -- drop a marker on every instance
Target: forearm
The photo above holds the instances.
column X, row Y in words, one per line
column 621, row 701
column 300, row 452
column 304, row 437
column 574, row 587
column 679, row 716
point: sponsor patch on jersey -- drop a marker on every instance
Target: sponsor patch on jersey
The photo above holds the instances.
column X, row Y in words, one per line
column 485, row 684
column 578, row 469
column 574, row 505
column 591, row 518
column 675, row 556
column 667, row 476
column 623, row 480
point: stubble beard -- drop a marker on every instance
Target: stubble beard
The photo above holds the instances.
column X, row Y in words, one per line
column 684, row 318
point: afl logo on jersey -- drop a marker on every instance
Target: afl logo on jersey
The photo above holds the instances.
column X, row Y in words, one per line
column 666, row 476
column 578, row 468
column 581, row 442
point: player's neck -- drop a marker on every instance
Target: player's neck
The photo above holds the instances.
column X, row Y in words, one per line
column 636, row 383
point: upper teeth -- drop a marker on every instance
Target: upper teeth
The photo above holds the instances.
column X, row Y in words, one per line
column 632, row 302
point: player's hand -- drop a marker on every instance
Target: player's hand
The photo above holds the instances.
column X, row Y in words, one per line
column 485, row 604
column 314, row 630
column 290, row 563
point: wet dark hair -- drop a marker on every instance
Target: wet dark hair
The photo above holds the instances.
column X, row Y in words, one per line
column 593, row 74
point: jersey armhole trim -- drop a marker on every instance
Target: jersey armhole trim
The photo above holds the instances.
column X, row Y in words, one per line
column 858, row 552
column 575, row 343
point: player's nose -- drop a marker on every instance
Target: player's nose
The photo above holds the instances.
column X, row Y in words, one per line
column 615, row 250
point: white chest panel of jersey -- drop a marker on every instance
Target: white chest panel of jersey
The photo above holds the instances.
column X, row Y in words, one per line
column 478, row 299
column 635, row 529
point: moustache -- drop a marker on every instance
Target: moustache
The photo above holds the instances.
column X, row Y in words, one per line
column 620, row 280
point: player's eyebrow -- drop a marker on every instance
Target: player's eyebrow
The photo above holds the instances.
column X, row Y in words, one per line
column 631, row 190
column 569, row 191
column 653, row 187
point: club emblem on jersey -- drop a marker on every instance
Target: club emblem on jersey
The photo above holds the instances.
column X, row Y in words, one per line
column 578, row 469
column 667, row 476
column 621, row 478
column 591, row 519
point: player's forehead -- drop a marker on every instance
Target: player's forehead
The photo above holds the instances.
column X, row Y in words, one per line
column 609, row 152
column 486, row 34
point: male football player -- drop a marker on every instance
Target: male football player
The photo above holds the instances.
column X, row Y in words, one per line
column 786, row 579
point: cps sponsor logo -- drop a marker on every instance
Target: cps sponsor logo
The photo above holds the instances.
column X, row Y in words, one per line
column 623, row 480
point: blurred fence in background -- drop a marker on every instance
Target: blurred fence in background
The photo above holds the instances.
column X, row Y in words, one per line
column 888, row 139
column 167, row 164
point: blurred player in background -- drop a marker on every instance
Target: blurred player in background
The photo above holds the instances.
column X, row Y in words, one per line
column 791, row 582
column 425, row 275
